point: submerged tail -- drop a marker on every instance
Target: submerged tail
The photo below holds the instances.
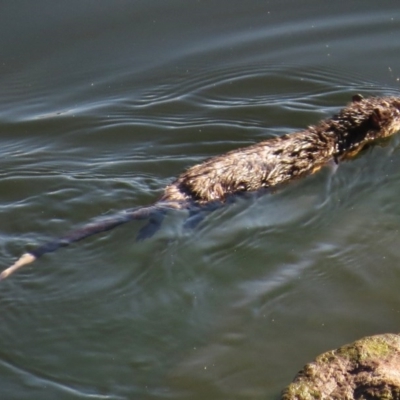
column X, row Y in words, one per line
column 86, row 231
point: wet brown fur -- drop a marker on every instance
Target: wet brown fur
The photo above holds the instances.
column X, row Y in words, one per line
column 263, row 165
column 282, row 159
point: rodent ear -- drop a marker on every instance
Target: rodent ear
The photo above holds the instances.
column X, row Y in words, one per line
column 357, row 98
column 376, row 118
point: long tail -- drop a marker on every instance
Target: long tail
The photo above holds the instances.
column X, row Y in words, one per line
column 88, row 230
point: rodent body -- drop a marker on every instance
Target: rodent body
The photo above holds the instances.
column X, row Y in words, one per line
column 263, row 165
column 282, row 159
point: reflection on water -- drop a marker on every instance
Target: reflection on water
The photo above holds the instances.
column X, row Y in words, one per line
column 102, row 104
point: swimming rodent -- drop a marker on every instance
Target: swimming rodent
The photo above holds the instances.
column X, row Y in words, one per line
column 263, row 165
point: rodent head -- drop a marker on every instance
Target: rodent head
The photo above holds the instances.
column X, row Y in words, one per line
column 365, row 120
column 384, row 114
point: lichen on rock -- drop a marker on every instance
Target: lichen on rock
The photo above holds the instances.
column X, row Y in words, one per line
column 367, row 369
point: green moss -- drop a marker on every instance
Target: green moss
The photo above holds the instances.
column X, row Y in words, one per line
column 365, row 349
column 374, row 347
column 327, row 357
column 301, row 391
column 350, row 352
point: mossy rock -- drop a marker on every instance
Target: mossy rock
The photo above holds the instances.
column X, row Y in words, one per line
column 368, row 369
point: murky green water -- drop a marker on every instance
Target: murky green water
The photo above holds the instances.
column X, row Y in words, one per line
column 101, row 105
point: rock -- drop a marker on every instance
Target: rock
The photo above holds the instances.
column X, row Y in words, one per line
column 367, row 369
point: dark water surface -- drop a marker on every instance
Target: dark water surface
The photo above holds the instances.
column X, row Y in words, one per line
column 102, row 103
